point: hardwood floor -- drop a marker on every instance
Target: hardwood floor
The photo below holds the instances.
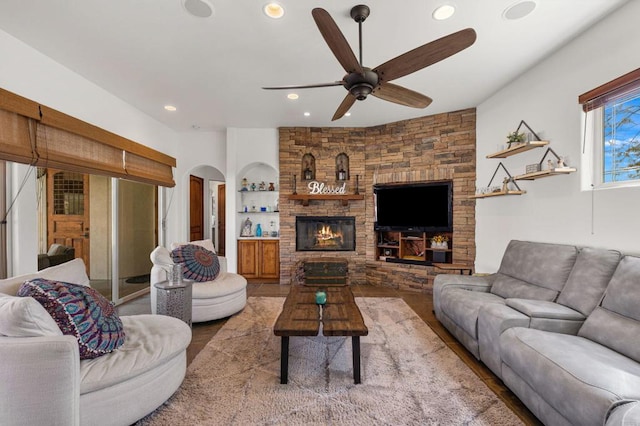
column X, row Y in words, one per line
column 421, row 303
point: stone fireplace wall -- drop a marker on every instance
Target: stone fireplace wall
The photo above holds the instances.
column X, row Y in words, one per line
column 436, row 147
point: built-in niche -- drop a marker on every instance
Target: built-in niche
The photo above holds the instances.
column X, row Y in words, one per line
column 342, row 167
column 308, row 167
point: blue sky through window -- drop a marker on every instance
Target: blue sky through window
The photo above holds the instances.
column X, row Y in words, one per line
column 621, row 134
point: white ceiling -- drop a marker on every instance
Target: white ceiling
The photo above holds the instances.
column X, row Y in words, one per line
column 152, row 52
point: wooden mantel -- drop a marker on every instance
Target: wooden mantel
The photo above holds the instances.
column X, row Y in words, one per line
column 344, row 198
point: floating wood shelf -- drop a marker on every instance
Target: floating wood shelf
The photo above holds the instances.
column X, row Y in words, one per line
column 305, row 198
column 546, row 173
column 517, row 149
column 497, row 194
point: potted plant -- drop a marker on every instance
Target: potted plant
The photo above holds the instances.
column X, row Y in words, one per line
column 515, row 137
column 439, row 241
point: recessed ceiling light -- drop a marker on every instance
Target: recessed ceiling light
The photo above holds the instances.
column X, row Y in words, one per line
column 198, row 8
column 273, row 10
column 170, row 108
column 443, row 12
column 519, row 10
column 292, row 96
column 307, row 114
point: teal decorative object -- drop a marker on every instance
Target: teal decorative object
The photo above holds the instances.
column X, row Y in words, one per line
column 258, row 230
column 321, row 297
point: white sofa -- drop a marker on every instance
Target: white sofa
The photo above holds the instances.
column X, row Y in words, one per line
column 43, row 381
column 211, row 300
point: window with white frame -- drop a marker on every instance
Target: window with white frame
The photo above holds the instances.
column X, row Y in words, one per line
column 612, row 132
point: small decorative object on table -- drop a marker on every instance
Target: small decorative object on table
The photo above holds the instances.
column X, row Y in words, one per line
column 245, row 184
column 321, row 297
column 439, row 242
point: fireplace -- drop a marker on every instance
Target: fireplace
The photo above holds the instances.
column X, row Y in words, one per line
column 325, row 233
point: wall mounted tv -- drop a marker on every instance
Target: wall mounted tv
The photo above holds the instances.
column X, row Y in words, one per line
column 416, row 206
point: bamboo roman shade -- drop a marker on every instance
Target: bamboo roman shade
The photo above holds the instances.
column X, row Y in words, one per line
column 609, row 91
column 35, row 134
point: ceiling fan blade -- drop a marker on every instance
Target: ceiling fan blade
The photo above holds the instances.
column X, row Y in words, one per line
column 426, row 55
column 336, row 41
column 347, row 103
column 400, row 95
column 306, row 86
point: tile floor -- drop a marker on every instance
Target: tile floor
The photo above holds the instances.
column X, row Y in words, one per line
column 421, row 303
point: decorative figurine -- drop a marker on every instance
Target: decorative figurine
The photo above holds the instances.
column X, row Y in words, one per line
column 246, row 228
column 253, row 186
column 505, row 185
column 245, row 184
column 262, row 186
column 271, row 187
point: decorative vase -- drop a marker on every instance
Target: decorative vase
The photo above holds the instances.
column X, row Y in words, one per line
column 258, row 230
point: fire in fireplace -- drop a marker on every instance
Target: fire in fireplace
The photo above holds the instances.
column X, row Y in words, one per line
column 325, row 233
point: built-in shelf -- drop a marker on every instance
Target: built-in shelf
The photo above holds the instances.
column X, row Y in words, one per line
column 517, row 149
column 546, row 173
column 344, row 198
column 499, row 193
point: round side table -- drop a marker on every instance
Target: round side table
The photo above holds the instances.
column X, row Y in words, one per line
column 174, row 300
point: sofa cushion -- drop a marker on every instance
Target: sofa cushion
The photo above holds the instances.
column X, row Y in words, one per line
column 25, row 317
column 208, row 244
column 199, row 263
column 589, row 278
column 616, row 323
column 531, row 270
column 79, row 311
column 73, row 271
column 462, row 307
column 544, row 309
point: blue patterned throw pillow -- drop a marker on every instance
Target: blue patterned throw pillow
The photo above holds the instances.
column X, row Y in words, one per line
column 79, row 311
column 198, row 263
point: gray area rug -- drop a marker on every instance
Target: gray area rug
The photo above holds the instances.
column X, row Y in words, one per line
column 409, row 376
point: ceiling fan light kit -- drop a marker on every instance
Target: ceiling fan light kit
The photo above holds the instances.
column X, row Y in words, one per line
column 361, row 81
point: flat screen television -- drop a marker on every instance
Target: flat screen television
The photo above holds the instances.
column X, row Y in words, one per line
column 417, row 206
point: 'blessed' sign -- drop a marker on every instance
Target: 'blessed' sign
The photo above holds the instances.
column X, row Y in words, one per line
column 316, row 187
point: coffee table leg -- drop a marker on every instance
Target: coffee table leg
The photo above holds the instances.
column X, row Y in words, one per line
column 355, row 343
column 284, row 360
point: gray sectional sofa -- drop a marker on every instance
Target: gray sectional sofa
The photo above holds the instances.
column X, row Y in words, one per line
column 559, row 324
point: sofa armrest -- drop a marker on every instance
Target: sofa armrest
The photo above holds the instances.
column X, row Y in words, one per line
column 447, row 281
column 625, row 414
column 548, row 316
column 223, row 264
column 40, row 379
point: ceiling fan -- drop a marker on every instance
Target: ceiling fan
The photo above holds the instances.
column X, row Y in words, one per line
column 361, row 81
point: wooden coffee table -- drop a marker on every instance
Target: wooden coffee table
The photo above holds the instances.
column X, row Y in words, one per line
column 300, row 316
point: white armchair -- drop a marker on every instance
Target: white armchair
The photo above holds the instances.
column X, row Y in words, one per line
column 211, row 300
column 43, row 381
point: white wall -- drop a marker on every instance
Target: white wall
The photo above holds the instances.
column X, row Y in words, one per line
column 28, row 73
column 555, row 209
column 245, row 147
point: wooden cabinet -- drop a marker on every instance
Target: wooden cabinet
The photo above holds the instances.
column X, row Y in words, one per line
column 413, row 247
column 259, row 259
